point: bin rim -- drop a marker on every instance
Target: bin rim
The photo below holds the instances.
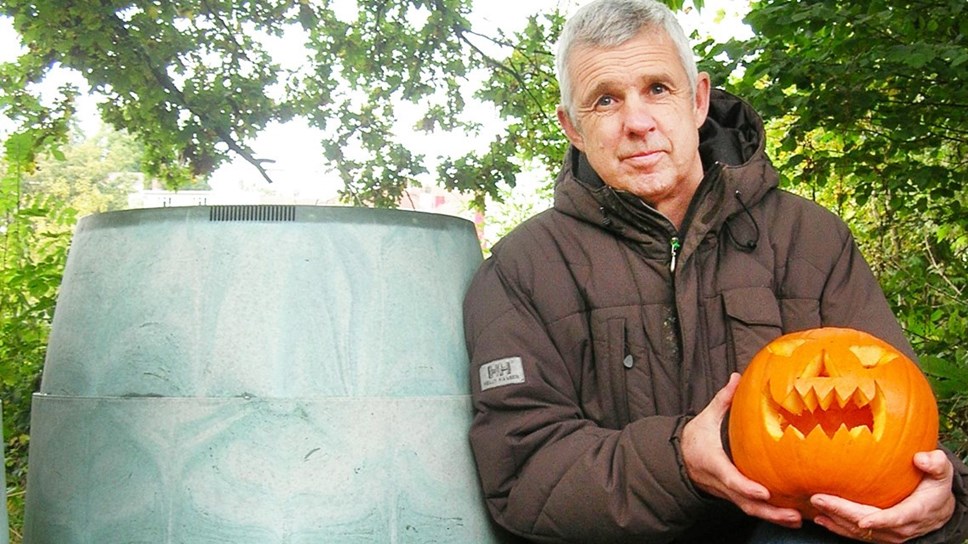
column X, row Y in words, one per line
column 291, row 213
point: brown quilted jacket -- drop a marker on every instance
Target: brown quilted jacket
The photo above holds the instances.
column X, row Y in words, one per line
column 596, row 329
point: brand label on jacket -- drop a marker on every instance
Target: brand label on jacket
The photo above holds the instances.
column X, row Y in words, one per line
column 502, row 372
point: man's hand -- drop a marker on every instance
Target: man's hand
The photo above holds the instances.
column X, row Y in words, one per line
column 926, row 509
column 711, row 470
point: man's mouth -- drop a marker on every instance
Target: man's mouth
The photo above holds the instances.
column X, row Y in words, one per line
column 643, row 158
column 643, row 153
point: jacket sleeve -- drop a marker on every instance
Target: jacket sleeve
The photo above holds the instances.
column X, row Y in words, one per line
column 852, row 297
column 548, row 472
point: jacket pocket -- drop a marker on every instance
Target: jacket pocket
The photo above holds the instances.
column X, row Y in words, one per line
column 752, row 321
column 620, row 360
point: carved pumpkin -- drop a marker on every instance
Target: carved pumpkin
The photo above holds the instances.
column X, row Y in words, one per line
column 833, row 411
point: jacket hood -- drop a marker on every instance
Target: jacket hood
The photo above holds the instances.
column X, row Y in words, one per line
column 737, row 174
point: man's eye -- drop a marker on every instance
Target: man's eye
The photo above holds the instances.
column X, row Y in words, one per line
column 658, row 88
column 605, row 101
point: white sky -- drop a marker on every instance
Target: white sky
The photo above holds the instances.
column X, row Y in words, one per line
column 299, row 170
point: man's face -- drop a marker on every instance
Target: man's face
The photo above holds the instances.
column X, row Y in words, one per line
column 636, row 118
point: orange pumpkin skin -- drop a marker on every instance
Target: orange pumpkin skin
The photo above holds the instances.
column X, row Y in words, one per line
column 833, row 411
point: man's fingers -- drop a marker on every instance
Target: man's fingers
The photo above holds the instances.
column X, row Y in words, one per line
column 787, row 517
column 836, row 507
column 743, row 486
column 751, row 497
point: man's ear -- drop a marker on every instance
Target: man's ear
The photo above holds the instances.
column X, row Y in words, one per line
column 571, row 131
column 703, row 90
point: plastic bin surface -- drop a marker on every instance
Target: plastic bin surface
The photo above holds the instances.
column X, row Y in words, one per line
column 258, row 374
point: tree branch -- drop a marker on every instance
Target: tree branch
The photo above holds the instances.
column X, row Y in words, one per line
column 459, row 31
column 165, row 81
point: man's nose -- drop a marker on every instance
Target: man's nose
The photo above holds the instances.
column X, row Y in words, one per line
column 639, row 116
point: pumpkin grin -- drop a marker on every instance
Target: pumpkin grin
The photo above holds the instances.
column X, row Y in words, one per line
column 821, row 401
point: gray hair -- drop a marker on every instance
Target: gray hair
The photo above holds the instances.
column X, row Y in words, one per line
column 610, row 23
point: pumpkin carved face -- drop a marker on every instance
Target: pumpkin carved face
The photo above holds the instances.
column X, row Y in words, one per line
column 834, row 411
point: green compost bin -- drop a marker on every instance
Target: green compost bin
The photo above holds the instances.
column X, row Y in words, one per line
column 258, row 374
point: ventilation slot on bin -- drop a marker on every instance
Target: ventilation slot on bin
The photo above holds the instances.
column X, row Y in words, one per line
column 252, row 213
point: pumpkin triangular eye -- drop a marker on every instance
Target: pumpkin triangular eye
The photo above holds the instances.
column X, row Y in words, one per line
column 871, row 356
column 785, row 346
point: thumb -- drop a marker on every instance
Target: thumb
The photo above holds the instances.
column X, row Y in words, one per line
column 934, row 464
column 720, row 403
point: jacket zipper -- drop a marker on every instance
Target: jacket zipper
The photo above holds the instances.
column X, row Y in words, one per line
column 674, row 245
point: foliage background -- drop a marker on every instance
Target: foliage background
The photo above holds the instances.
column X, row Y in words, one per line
column 865, row 103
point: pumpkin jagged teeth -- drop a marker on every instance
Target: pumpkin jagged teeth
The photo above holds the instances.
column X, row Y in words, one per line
column 859, row 430
column 802, row 386
column 809, row 399
column 817, row 434
column 824, row 388
column 844, row 433
column 865, row 392
column 845, row 393
column 825, row 400
column 792, row 432
column 815, row 392
column 782, row 389
column 793, row 403
column 841, row 430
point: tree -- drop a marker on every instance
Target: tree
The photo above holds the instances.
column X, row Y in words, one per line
column 195, row 80
column 31, row 262
column 188, row 75
column 95, row 174
column 41, row 194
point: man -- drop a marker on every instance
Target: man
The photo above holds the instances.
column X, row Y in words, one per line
column 605, row 334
